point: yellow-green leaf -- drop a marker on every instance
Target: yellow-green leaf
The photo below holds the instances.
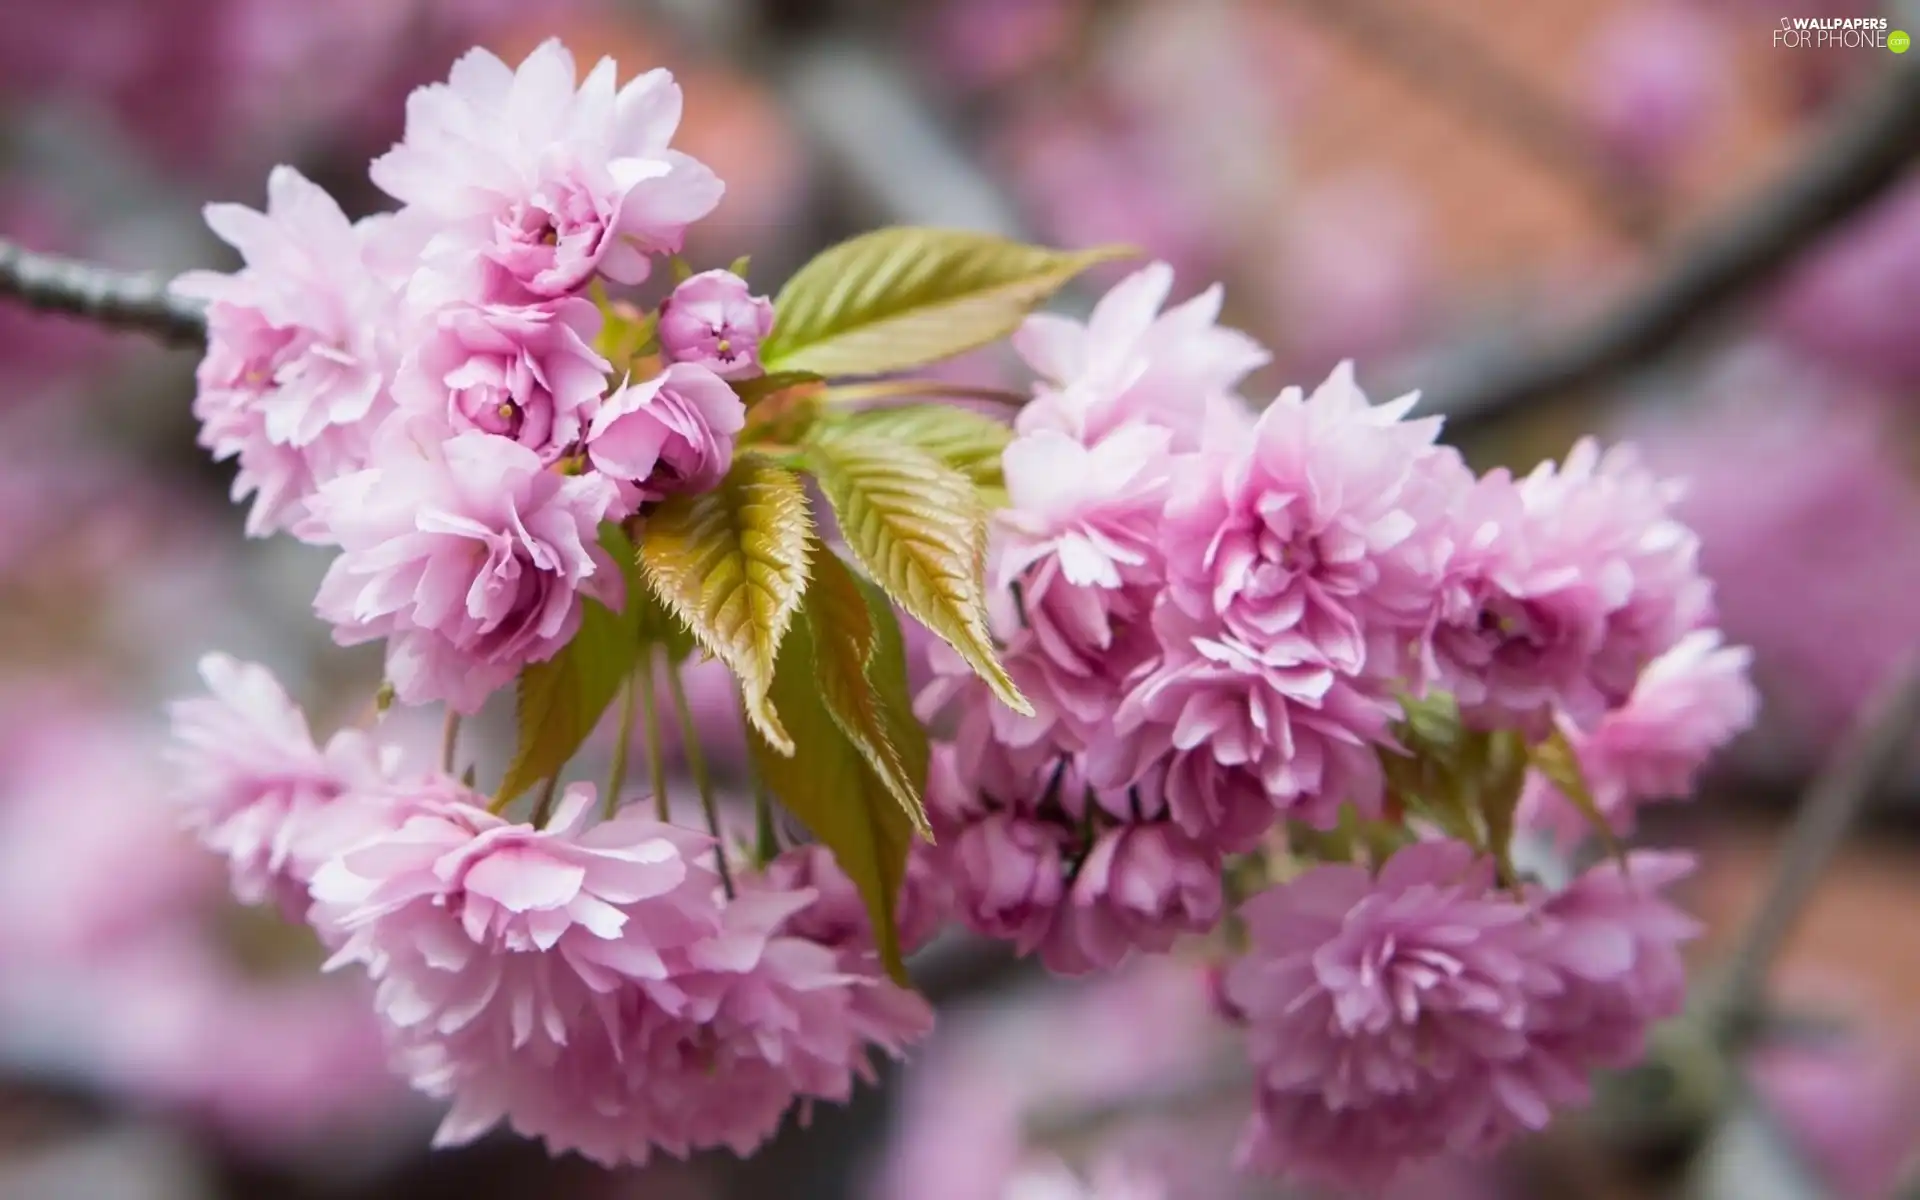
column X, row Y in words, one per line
column 966, row 441
column 916, row 526
column 731, row 564
column 888, row 671
column 827, row 783
column 904, row 297
column 845, row 647
column 563, row 698
column 1556, row 759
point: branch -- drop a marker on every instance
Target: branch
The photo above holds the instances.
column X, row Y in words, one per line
column 136, row 301
column 1868, row 151
column 1445, row 62
column 1870, row 752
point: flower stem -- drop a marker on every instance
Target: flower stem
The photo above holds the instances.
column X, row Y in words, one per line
column 622, row 742
column 543, row 809
column 656, row 761
column 449, row 741
column 697, row 766
column 766, row 833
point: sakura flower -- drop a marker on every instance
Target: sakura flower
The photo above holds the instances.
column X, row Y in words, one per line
column 256, row 788
column 1130, row 361
column 1317, row 532
column 673, row 433
column 1139, row 888
column 1094, row 509
column 1655, row 75
column 549, row 182
column 1007, row 872
column 528, row 373
column 496, row 949
column 1387, row 1018
column 300, row 348
column 712, row 320
column 1689, row 702
column 467, row 555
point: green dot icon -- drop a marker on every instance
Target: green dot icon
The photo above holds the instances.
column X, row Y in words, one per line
column 1898, row 41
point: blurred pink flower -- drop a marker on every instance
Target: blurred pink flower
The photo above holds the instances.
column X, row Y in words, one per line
column 1655, row 75
column 1352, row 277
column 1848, row 1107
column 301, row 347
column 1851, row 304
column 256, row 788
column 989, row 43
column 1140, row 888
column 549, row 180
column 467, row 555
column 714, row 321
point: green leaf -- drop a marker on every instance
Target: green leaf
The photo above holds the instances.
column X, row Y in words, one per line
column 966, row 441
column 1556, row 759
column 760, row 387
column 904, row 297
column 827, row 783
column 846, row 642
column 888, row 672
column 731, row 564
column 563, row 698
column 653, row 624
column 741, row 264
column 681, row 268
column 916, row 526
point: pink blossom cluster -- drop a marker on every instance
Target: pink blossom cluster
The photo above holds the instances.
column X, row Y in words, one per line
column 422, row 390
column 1217, row 613
column 591, row 983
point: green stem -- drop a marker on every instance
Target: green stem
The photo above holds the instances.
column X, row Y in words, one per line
column 697, row 766
column 656, row 762
column 449, row 741
column 766, row 834
column 544, row 808
column 622, row 742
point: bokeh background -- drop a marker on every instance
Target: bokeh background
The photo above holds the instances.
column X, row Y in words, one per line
column 1444, row 190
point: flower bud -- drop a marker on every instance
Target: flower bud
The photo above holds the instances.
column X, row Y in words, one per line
column 713, row 320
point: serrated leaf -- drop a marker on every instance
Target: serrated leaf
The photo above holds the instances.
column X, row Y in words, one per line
column 731, row 564
column 652, row 623
column 827, row 783
column 888, row 672
column 563, row 698
column 917, row 528
column 845, row 647
column 758, row 388
column 904, row 297
column 966, row 441
column 1556, row 759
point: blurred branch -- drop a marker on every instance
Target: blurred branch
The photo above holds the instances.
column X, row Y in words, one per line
column 1449, row 64
column 1869, row 753
column 133, row 300
column 1870, row 147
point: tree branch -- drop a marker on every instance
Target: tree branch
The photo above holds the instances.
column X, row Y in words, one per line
column 1869, row 149
column 130, row 300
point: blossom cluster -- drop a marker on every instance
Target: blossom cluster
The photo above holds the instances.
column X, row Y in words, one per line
column 426, row 391
column 592, row 983
column 1220, row 616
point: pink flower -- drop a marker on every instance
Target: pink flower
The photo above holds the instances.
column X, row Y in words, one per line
column 528, row 373
column 1388, row 1017
column 1007, row 872
column 1655, row 74
column 1140, row 887
column 1094, row 509
column 1689, row 702
column 1561, row 587
column 467, row 555
column 1847, row 1105
column 1614, row 942
column 497, row 949
column 673, row 433
column 1847, row 303
column 1132, row 362
column 300, row 349
column 1319, row 531
column 837, row 916
column 1306, row 732
column 549, row 183
column 712, row 320
column 256, row 788
column 1052, row 1181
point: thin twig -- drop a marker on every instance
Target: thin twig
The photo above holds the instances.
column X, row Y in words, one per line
column 1870, row 751
column 622, row 744
column 543, row 808
column 1445, row 63
column 134, row 300
column 1869, row 149
column 697, row 767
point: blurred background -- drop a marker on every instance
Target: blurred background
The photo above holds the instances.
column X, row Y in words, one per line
column 1637, row 218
